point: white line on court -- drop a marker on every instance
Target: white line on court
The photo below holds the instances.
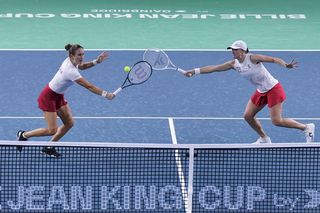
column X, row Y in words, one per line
column 191, row 50
column 179, row 165
column 155, row 118
column 172, row 131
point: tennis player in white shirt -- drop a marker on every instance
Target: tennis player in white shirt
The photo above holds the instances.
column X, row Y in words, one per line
column 268, row 89
column 51, row 100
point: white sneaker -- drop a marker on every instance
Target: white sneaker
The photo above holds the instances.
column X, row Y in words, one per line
column 309, row 132
column 265, row 140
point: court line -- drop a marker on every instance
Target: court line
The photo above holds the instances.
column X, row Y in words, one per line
column 172, row 131
column 179, row 164
column 182, row 50
column 154, row 118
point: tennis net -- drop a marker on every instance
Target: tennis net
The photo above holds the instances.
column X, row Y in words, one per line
column 106, row 177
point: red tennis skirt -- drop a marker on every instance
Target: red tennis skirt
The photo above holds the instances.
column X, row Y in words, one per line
column 50, row 101
column 273, row 97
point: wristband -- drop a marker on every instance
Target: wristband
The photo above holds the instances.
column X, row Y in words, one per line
column 104, row 93
column 95, row 62
column 197, row 71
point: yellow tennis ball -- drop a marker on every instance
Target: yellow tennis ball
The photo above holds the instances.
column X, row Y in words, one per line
column 127, row 69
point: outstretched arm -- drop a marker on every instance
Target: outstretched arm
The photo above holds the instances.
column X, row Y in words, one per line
column 209, row 69
column 96, row 90
column 256, row 58
column 103, row 56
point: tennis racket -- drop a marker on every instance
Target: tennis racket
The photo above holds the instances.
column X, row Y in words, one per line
column 159, row 60
column 139, row 73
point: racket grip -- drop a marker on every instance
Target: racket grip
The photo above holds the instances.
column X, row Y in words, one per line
column 117, row 91
column 182, row 71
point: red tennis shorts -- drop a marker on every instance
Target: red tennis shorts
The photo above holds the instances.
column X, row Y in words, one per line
column 50, row 101
column 273, row 97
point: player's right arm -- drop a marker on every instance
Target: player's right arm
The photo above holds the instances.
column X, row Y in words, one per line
column 212, row 68
column 96, row 90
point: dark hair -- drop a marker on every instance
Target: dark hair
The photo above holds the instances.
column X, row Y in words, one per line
column 72, row 48
column 247, row 50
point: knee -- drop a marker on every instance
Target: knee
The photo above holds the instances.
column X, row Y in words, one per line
column 248, row 117
column 52, row 131
column 69, row 124
column 277, row 121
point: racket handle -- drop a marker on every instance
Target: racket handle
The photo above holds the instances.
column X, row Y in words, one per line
column 182, row 71
column 117, row 91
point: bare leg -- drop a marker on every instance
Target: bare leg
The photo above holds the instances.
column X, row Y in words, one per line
column 249, row 115
column 276, row 117
column 66, row 117
column 51, row 118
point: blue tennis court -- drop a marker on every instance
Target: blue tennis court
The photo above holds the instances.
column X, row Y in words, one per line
column 204, row 109
column 172, row 144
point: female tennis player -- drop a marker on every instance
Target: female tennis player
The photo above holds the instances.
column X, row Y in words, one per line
column 51, row 100
column 268, row 89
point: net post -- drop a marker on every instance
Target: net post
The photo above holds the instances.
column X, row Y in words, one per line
column 190, row 179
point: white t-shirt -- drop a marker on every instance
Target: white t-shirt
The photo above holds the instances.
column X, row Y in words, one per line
column 65, row 77
column 257, row 74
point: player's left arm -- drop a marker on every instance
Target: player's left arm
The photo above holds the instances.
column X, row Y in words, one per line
column 86, row 65
column 256, row 58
